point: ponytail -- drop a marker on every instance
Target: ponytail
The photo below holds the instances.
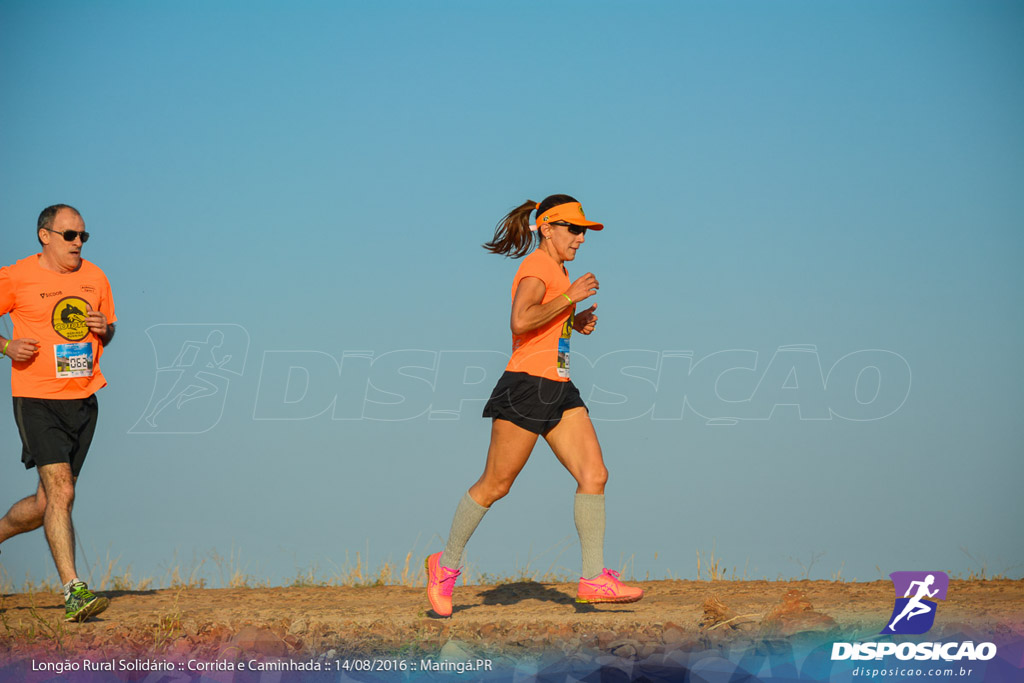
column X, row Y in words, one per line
column 513, row 236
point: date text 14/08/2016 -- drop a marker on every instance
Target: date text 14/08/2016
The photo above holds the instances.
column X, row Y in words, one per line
column 458, row 667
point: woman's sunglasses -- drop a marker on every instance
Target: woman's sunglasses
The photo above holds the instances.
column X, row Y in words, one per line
column 573, row 229
column 70, row 235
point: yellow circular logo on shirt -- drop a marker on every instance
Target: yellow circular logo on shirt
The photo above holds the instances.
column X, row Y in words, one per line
column 69, row 318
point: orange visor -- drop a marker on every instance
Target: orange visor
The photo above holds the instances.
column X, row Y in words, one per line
column 568, row 213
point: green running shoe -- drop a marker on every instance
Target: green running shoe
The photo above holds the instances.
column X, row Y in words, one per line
column 83, row 603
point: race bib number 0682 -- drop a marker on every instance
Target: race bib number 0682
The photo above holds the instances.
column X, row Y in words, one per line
column 73, row 360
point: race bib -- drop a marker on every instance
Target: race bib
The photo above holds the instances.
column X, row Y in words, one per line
column 563, row 357
column 563, row 346
column 73, row 360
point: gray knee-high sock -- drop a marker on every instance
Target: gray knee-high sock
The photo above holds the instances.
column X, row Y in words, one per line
column 467, row 515
column 588, row 509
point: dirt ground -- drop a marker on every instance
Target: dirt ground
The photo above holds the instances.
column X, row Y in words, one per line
column 504, row 620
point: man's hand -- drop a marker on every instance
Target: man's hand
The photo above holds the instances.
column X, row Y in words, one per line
column 585, row 322
column 21, row 350
column 96, row 322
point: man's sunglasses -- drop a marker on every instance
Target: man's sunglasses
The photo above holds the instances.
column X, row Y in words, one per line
column 70, row 235
column 573, row 229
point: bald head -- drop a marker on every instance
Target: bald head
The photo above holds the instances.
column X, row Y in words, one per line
column 48, row 215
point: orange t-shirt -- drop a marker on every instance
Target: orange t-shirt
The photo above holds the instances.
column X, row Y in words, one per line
column 543, row 352
column 50, row 308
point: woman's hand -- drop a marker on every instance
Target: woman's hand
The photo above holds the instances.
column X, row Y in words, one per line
column 583, row 287
column 585, row 322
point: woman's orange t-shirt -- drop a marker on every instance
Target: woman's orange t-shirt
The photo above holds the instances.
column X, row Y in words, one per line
column 543, row 352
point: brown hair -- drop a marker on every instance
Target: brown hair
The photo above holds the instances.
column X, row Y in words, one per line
column 512, row 235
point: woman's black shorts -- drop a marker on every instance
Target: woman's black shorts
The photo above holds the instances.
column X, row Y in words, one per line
column 55, row 430
column 533, row 403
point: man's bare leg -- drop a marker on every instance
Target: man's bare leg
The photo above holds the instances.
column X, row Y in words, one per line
column 59, row 488
column 25, row 515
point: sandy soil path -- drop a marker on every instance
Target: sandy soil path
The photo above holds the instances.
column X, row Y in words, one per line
column 509, row 619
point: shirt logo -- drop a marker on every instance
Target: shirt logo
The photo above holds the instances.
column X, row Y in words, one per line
column 68, row 318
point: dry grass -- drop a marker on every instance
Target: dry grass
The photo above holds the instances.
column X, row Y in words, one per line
column 710, row 565
column 715, row 613
column 168, row 626
column 176, row 577
column 549, row 571
column 232, row 571
column 979, row 574
column 359, row 572
column 54, row 630
column 122, row 580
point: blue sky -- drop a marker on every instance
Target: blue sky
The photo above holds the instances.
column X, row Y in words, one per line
column 314, row 180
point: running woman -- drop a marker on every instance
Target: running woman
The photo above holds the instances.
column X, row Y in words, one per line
column 535, row 397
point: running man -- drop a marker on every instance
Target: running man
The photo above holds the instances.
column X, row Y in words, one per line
column 915, row 606
column 63, row 314
column 535, row 397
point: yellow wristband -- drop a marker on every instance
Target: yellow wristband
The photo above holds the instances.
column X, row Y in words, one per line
column 5, row 347
column 567, row 297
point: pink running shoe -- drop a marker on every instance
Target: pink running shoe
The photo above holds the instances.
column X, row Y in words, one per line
column 607, row 588
column 440, row 582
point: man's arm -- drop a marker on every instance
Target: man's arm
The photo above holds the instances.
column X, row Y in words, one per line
column 19, row 350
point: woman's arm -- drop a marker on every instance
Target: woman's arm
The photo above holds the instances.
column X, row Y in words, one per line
column 528, row 313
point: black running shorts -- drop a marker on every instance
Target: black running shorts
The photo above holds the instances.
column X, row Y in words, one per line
column 55, row 430
column 533, row 403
